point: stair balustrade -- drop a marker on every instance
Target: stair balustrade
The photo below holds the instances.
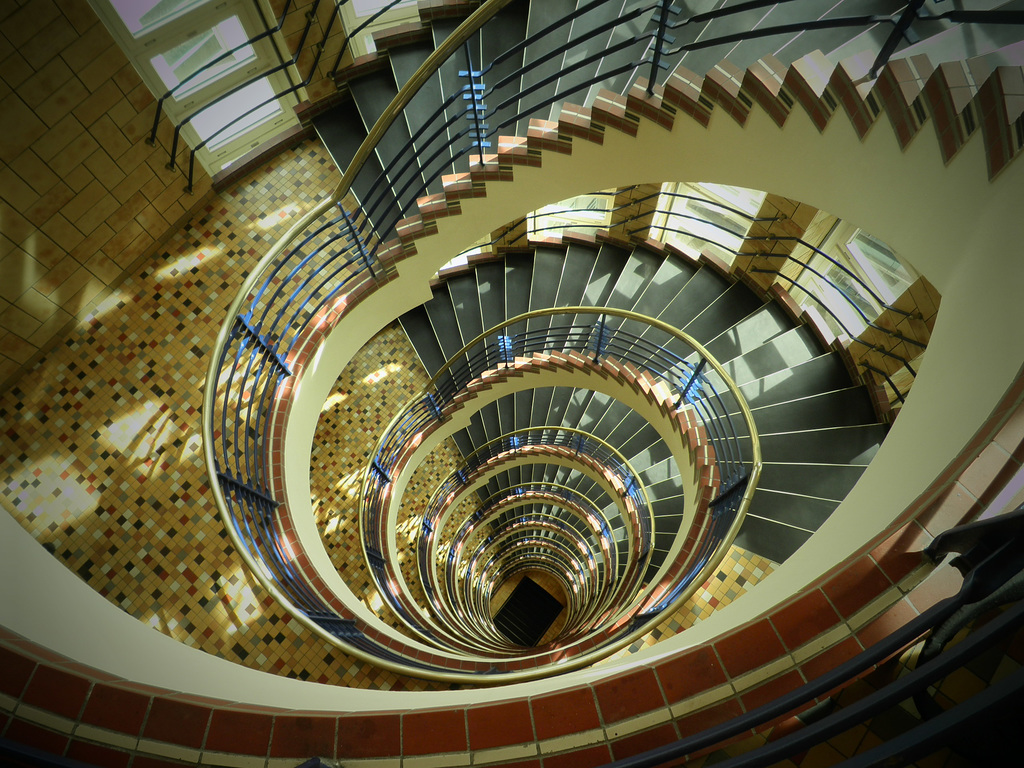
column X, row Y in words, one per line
column 369, row 235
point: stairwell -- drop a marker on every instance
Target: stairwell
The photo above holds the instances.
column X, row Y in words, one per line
column 608, row 690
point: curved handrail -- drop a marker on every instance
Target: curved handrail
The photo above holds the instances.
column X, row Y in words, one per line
column 595, row 536
column 540, row 437
column 669, row 330
column 568, row 500
column 794, row 281
column 589, row 452
column 423, row 413
column 249, row 459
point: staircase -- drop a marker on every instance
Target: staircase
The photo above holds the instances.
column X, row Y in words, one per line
column 818, row 430
column 567, row 62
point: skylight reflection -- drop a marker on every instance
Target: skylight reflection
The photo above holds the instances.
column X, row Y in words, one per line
column 185, row 263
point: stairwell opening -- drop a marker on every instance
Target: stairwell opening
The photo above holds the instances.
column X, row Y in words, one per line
column 531, row 613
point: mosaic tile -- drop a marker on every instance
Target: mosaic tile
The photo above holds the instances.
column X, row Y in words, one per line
column 100, row 450
column 739, row 570
column 370, row 391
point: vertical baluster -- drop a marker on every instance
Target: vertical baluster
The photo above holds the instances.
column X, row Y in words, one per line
column 659, row 41
column 476, row 109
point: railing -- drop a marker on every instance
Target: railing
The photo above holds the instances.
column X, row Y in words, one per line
column 580, row 517
column 692, row 377
column 648, row 53
column 991, row 558
column 808, row 294
column 334, row 250
column 283, row 67
column 537, row 443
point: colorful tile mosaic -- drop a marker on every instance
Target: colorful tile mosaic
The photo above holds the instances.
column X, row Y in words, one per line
column 739, row 570
column 367, row 395
column 101, row 449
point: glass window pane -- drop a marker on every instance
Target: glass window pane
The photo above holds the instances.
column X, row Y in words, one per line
column 743, row 199
column 369, row 7
column 585, row 214
column 143, row 16
column 697, row 225
column 179, row 63
column 234, row 107
column 883, row 269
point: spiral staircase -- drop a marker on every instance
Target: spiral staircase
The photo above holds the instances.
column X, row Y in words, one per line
column 802, row 411
column 818, row 428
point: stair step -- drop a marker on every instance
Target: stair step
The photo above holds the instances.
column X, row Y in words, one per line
column 840, row 408
column 405, row 60
column 342, row 132
column 416, row 324
column 820, row 374
column 695, row 296
column 451, row 83
column 508, row 28
column 762, row 325
column 838, row 445
column 490, row 281
column 824, row 481
column 465, row 298
column 547, row 272
column 542, row 18
column 793, row 347
column 576, row 270
column 518, row 279
column 443, row 320
column 767, row 538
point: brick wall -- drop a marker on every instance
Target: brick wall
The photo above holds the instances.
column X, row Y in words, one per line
column 82, row 196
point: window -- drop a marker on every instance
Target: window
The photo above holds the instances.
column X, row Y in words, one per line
column 359, row 12
column 879, row 266
column 870, row 277
column 585, row 214
column 716, row 223
column 205, row 55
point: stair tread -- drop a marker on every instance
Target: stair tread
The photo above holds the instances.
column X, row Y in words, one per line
column 543, row 17
column 405, row 60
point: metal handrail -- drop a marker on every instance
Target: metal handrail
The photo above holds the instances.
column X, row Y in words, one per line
column 423, row 413
column 568, row 500
column 541, row 437
column 595, row 533
column 260, row 363
column 992, row 568
column 282, row 67
column 899, row 395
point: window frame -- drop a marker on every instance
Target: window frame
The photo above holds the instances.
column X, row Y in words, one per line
column 256, row 17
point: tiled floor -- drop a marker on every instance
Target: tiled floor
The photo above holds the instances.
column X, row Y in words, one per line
column 101, row 454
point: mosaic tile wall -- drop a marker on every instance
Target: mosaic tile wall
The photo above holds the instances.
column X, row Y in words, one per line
column 100, row 449
column 442, row 461
column 366, row 396
column 739, row 570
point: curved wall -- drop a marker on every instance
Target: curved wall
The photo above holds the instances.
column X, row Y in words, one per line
column 959, row 242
